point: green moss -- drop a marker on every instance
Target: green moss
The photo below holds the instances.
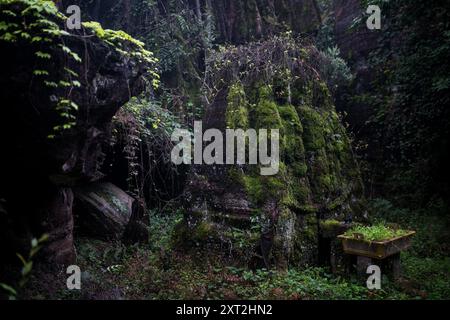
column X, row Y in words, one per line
column 291, row 135
column 303, row 129
column 237, row 108
column 322, row 160
column 314, row 151
column 299, row 169
column 203, row 231
column 267, row 116
column 302, row 93
column 322, row 96
column 302, row 192
column 314, row 126
column 329, row 224
column 274, row 183
column 305, row 241
column 253, row 187
column 290, row 118
column 261, row 188
column 326, row 181
column 199, row 234
column 264, row 92
column 235, row 175
column 340, row 200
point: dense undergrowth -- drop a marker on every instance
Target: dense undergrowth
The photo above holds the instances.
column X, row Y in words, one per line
column 161, row 271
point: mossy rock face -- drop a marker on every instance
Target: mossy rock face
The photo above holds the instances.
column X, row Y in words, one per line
column 318, row 177
column 237, row 109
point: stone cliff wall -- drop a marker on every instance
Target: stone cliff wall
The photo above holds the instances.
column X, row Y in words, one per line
column 38, row 172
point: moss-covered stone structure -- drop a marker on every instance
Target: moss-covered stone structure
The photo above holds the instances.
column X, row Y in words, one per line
column 274, row 220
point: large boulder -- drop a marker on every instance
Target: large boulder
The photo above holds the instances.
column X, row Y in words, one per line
column 274, row 220
column 104, row 211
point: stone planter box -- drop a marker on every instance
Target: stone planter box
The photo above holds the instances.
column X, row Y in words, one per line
column 376, row 249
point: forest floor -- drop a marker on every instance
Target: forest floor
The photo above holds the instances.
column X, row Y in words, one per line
column 156, row 271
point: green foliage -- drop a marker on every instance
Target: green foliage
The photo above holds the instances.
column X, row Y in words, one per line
column 325, row 35
column 429, row 276
column 237, row 108
column 152, row 118
column 329, row 224
column 36, row 245
column 336, row 71
column 121, row 41
column 162, row 226
column 430, row 223
column 310, row 283
column 266, row 111
column 161, row 274
column 27, row 267
column 377, row 232
column 140, row 126
column 37, row 23
column 410, row 96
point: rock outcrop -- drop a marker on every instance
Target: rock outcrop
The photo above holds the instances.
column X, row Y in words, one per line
column 104, row 210
column 274, row 220
column 38, row 172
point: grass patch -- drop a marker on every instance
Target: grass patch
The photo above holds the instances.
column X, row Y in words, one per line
column 377, row 232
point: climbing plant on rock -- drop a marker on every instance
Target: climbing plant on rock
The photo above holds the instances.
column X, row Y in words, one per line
column 38, row 25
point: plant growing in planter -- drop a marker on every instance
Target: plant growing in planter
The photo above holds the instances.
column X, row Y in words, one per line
column 376, row 242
